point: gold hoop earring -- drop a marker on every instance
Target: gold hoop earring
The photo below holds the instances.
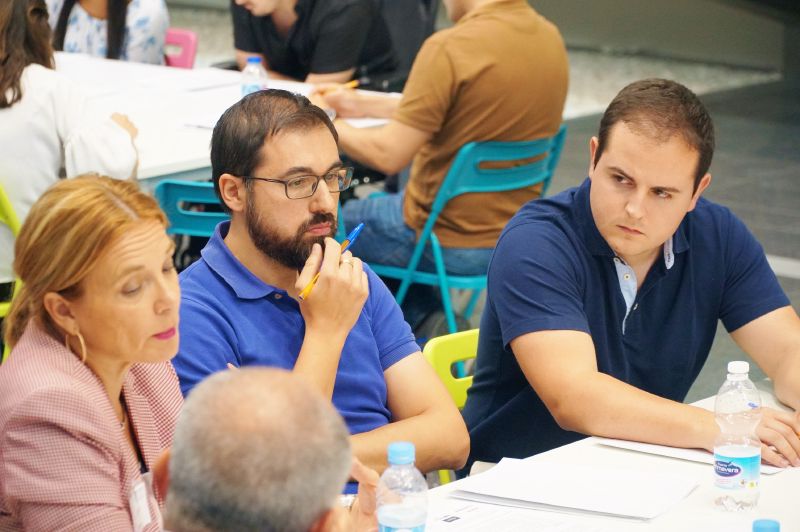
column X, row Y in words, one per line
column 80, row 341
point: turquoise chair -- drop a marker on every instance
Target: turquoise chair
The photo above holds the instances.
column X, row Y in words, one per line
column 466, row 176
column 173, row 195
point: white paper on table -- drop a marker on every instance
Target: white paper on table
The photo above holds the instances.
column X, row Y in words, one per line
column 466, row 516
column 366, row 122
column 564, row 487
column 209, row 120
column 204, row 121
column 693, row 455
column 100, row 77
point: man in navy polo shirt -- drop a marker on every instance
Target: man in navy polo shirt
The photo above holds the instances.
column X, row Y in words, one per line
column 276, row 168
column 603, row 300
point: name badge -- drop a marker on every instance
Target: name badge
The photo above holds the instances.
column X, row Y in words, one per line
column 140, row 509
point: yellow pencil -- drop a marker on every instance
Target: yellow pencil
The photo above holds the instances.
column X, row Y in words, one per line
column 352, row 84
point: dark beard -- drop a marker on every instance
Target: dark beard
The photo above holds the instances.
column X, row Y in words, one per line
column 290, row 252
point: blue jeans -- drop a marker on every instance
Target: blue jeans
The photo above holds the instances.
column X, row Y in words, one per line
column 386, row 239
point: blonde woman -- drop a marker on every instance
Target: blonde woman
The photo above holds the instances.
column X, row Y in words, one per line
column 89, row 397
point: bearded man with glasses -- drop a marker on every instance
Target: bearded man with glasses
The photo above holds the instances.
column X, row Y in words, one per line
column 276, row 169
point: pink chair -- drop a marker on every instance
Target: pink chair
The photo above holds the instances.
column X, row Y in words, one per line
column 186, row 43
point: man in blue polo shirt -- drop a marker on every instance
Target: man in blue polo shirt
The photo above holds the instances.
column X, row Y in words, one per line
column 276, row 168
column 603, row 300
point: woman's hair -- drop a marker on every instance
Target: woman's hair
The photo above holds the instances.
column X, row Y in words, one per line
column 115, row 26
column 24, row 40
column 65, row 234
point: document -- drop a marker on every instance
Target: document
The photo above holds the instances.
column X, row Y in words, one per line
column 538, row 484
column 465, row 516
column 693, row 455
column 209, row 119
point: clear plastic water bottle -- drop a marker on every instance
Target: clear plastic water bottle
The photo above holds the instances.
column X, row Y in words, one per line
column 737, row 450
column 254, row 76
column 402, row 492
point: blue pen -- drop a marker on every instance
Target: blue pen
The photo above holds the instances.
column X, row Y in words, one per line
column 345, row 246
column 352, row 237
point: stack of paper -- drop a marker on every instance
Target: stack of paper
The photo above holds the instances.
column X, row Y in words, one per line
column 602, row 490
column 466, row 516
column 693, row 455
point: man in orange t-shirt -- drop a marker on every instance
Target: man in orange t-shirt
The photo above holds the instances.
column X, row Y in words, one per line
column 500, row 73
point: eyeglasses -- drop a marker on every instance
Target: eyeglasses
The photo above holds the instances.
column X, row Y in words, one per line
column 304, row 186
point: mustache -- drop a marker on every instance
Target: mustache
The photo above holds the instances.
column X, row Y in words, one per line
column 319, row 218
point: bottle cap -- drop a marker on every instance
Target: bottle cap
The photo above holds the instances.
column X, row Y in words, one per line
column 738, row 366
column 766, row 525
column 253, row 59
column 401, row 453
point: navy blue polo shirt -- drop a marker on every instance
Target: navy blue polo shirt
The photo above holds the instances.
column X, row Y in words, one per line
column 229, row 315
column 552, row 270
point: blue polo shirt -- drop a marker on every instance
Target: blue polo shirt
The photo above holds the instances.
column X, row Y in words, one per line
column 229, row 315
column 552, row 270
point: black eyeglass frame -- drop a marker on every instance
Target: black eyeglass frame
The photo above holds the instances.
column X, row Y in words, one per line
column 348, row 177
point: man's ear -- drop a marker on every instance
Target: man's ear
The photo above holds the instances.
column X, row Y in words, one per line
column 593, row 143
column 60, row 310
column 704, row 182
column 233, row 192
column 161, row 473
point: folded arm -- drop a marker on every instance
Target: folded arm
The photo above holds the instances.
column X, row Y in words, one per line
column 423, row 413
column 562, row 368
column 389, row 148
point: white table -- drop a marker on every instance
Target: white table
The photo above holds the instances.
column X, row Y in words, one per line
column 780, row 494
column 167, row 105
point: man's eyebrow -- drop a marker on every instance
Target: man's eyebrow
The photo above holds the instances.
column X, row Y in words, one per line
column 623, row 173
column 306, row 170
column 620, row 171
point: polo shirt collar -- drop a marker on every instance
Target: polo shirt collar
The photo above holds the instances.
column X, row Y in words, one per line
column 220, row 259
column 597, row 245
column 492, row 7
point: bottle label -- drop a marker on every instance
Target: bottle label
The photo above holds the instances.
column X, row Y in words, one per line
column 737, row 472
column 384, row 528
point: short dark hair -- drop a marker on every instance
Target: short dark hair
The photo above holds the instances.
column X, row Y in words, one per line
column 243, row 129
column 661, row 108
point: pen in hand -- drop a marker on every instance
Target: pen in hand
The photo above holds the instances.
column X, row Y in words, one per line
column 345, row 246
column 352, row 84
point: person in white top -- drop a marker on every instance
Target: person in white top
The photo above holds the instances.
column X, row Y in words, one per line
column 48, row 128
column 131, row 30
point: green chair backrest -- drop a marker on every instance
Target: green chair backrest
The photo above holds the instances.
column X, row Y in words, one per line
column 444, row 351
column 441, row 353
column 9, row 218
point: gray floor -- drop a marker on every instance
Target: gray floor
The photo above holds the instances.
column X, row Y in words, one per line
column 756, row 167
